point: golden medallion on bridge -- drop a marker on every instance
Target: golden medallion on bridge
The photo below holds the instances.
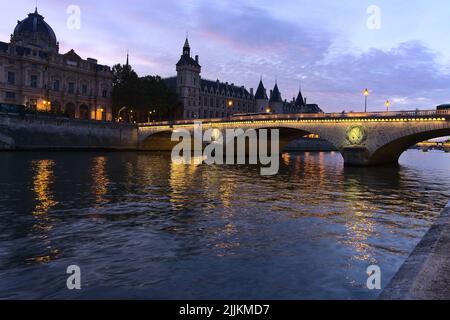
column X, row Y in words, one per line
column 356, row 135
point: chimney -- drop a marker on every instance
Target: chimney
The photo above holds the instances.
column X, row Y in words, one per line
column 305, row 100
column 196, row 58
column 251, row 91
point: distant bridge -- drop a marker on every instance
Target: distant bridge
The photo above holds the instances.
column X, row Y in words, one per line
column 363, row 139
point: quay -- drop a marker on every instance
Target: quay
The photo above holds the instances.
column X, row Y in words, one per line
column 425, row 275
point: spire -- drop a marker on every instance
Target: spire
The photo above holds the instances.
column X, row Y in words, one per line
column 300, row 102
column 276, row 95
column 128, row 58
column 186, row 48
column 261, row 91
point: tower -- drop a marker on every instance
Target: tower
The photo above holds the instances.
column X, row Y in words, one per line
column 188, row 82
column 276, row 103
column 261, row 99
column 300, row 103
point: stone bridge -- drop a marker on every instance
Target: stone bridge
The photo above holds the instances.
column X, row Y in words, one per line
column 363, row 139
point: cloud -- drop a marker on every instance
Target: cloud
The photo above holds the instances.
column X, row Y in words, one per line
column 238, row 42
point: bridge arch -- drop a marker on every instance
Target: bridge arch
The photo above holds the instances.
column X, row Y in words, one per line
column 391, row 151
column 158, row 141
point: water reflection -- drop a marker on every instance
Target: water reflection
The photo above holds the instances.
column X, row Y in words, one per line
column 308, row 232
column 100, row 180
column 43, row 181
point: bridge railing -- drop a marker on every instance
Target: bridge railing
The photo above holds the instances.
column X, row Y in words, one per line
column 387, row 114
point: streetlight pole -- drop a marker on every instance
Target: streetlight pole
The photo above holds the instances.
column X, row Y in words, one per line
column 366, row 95
column 388, row 104
column 118, row 114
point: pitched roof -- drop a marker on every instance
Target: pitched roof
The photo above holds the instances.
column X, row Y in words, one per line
column 300, row 101
column 72, row 55
column 228, row 89
column 276, row 95
column 261, row 92
column 186, row 43
column 187, row 61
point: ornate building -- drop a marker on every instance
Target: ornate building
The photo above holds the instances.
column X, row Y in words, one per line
column 275, row 104
column 214, row 99
column 33, row 73
column 206, row 98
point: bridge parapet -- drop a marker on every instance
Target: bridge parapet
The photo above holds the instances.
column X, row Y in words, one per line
column 362, row 138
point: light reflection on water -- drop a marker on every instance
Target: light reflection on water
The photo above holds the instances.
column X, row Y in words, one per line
column 142, row 227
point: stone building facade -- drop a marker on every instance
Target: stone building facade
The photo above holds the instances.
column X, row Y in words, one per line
column 204, row 99
column 33, row 73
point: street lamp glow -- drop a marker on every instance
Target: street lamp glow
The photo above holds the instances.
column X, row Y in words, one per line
column 366, row 94
column 387, row 104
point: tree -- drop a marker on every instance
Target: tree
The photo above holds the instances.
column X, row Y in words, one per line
column 158, row 101
column 148, row 97
column 126, row 90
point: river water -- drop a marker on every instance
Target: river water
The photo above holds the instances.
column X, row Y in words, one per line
column 139, row 226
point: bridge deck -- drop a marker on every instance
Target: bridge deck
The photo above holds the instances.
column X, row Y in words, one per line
column 416, row 115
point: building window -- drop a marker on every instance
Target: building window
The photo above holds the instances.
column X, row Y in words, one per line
column 105, row 94
column 33, row 81
column 71, row 89
column 56, row 85
column 11, row 77
column 84, row 89
column 11, row 95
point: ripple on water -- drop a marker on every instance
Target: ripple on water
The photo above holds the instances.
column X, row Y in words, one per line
column 142, row 227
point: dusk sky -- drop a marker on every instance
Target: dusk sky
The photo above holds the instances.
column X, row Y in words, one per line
column 326, row 45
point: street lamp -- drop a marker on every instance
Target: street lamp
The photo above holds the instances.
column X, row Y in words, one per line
column 366, row 95
column 387, row 104
column 118, row 114
column 149, row 115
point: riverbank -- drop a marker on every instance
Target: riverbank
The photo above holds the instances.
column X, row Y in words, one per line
column 426, row 273
column 40, row 132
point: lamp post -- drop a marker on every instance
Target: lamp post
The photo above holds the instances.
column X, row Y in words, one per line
column 118, row 114
column 366, row 95
column 149, row 115
column 387, row 104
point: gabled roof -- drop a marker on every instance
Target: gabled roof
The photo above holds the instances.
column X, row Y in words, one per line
column 276, row 95
column 72, row 55
column 261, row 92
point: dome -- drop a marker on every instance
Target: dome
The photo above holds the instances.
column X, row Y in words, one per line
column 35, row 27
